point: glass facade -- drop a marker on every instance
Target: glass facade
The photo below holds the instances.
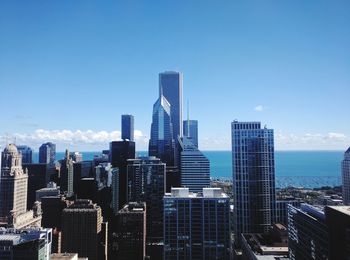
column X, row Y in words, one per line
column 190, row 128
column 128, row 127
column 27, row 153
column 345, row 166
column 47, row 153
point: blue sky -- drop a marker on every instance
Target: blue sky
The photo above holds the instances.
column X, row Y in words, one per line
column 67, row 67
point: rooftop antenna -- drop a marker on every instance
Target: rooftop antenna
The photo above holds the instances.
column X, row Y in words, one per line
column 188, row 119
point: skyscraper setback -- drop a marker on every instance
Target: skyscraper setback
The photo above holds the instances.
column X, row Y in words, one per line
column 253, row 169
column 128, row 127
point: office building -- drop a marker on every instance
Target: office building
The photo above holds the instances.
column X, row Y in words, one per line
column 197, row 225
column 307, row 233
column 282, row 209
column 162, row 143
column 39, row 174
column 120, row 152
column 66, row 256
column 253, row 169
column 82, row 229
column 47, row 153
column 51, row 190
column 27, row 153
column 131, row 232
column 170, row 86
column 338, row 224
column 13, row 184
column 81, row 169
column 195, row 167
column 115, row 190
column 76, row 157
column 147, row 182
column 32, row 243
column 190, row 128
column 67, row 175
column 128, row 127
column 345, row 167
column 52, row 207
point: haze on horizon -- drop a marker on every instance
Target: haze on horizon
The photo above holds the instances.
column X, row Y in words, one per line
column 68, row 70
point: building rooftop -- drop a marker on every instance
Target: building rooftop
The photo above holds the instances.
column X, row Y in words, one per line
column 342, row 209
column 185, row 193
column 133, row 207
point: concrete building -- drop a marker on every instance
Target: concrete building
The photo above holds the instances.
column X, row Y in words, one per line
column 82, row 230
column 282, row 209
column 67, row 175
column 51, row 190
column 197, row 225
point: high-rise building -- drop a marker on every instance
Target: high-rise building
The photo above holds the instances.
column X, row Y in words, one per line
column 120, row 152
column 27, row 153
column 76, row 157
column 197, row 225
column 338, row 223
column 115, row 190
column 50, row 190
column 170, row 86
column 131, row 235
column 282, row 209
column 82, row 229
column 147, row 182
column 253, row 169
column 47, row 153
column 128, row 127
column 32, row 243
column 307, row 233
column 13, row 184
column 190, row 128
column 81, row 169
column 162, row 143
column 67, row 175
column 345, row 167
column 195, row 167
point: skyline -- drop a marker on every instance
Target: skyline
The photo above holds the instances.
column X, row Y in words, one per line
column 64, row 68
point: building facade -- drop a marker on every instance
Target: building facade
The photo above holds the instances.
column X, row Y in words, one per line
column 67, row 175
column 282, row 210
column 47, row 153
column 197, row 225
column 345, row 167
column 195, row 167
column 253, row 167
column 27, row 153
column 128, row 127
column 190, row 128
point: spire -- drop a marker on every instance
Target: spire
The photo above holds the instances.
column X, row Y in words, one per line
column 188, row 118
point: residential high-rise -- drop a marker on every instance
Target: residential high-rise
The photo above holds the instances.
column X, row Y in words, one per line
column 82, row 229
column 128, row 127
column 282, row 209
column 67, row 175
column 27, row 153
column 131, row 232
column 13, row 184
column 195, row 167
column 345, row 167
column 253, row 169
column 120, row 152
column 307, row 233
column 197, row 225
column 115, row 190
column 162, row 143
column 190, row 128
column 31, row 243
column 47, row 153
column 170, row 86
column 147, row 182
column 338, row 223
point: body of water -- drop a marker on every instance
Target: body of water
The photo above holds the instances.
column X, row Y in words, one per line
column 293, row 168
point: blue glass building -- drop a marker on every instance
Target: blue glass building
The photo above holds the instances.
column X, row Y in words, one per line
column 253, row 167
column 27, row 153
column 47, row 153
column 128, row 127
column 190, row 128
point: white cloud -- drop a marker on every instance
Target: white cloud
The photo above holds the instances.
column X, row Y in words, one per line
column 259, row 108
column 77, row 139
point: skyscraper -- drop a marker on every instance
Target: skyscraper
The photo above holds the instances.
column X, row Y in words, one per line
column 345, row 167
column 195, row 167
column 120, row 152
column 253, row 169
column 197, row 225
column 170, row 86
column 82, row 229
column 128, row 127
column 190, row 128
column 67, row 175
column 27, row 153
column 13, row 184
column 147, row 181
column 47, row 153
column 162, row 144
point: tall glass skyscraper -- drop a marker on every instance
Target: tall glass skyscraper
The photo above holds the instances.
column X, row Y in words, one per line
column 47, row 153
column 191, row 130
column 345, row 167
column 170, row 86
column 195, row 167
column 128, row 127
column 27, row 153
column 253, row 167
column 162, row 144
